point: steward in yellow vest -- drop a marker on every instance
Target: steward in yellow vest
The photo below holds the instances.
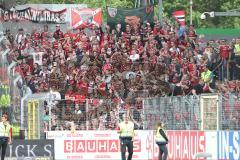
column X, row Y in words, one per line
column 161, row 137
column 161, row 140
column 5, row 134
column 5, row 98
column 126, row 131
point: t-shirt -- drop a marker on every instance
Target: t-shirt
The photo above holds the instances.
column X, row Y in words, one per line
column 36, row 36
column 134, row 57
column 224, row 51
column 198, row 88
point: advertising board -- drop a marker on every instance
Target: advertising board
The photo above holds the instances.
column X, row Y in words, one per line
column 31, row 149
column 104, row 145
column 183, row 145
column 228, row 145
column 98, row 145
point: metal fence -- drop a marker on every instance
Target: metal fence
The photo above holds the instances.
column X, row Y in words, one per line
column 10, row 91
column 48, row 114
column 178, row 113
column 205, row 112
column 230, row 112
column 87, row 114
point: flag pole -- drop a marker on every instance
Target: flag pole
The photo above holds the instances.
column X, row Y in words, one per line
column 160, row 3
column 104, row 9
column 191, row 11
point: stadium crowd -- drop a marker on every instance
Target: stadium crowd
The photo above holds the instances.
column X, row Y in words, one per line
column 123, row 63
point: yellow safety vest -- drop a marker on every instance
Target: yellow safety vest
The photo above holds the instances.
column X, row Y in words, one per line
column 237, row 49
column 5, row 98
column 206, row 75
column 159, row 138
column 126, row 130
column 5, row 131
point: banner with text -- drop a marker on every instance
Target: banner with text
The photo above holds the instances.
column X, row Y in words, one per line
column 34, row 15
column 31, row 149
column 228, row 145
column 105, row 145
column 100, row 145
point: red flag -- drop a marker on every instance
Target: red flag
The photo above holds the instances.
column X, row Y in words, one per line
column 86, row 17
column 180, row 17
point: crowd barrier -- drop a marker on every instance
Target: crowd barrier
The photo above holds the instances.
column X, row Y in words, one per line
column 183, row 145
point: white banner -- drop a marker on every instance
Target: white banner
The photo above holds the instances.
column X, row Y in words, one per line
column 183, row 145
column 100, row 145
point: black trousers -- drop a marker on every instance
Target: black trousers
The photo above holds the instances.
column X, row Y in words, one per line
column 3, row 146
column 163, row 152
column 126, row 142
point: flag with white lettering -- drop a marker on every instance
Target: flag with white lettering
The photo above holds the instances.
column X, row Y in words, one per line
column 179, row 17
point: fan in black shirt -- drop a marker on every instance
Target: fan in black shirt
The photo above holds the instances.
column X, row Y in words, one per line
column 198, row 89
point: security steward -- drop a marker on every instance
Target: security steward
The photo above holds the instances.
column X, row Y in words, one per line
column 161, row 140
column 126, row 131
column 5, row 134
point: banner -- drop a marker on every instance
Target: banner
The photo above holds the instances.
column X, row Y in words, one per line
column 31, row 149
column 100, row 145
column 37, row 57
column 85, row 17
column 104, row 145
column 34, row 15
column 130, row 16
column 183, row 145
column 228, row 144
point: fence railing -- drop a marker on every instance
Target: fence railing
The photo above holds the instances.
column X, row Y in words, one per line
column 10, row 92
column 178, row 113
column 205, row 112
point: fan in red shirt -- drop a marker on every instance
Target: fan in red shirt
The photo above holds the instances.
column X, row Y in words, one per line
column 224, row 50
column 58, row 34
column 67, row 47
column 55, row 44
column 69, row 34
column 35, row 35
column 192, row 32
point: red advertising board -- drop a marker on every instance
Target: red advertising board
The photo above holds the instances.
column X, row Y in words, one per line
column 183, row 145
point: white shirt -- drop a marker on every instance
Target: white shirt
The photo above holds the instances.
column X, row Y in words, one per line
column 19, row 38
column 134, row 57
